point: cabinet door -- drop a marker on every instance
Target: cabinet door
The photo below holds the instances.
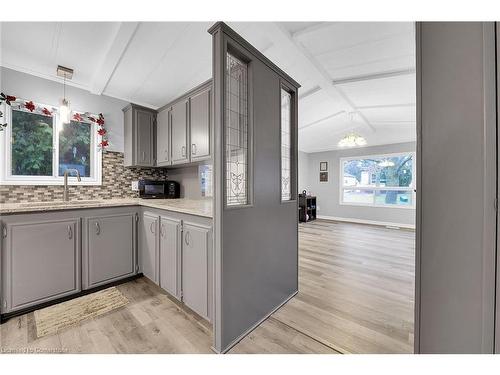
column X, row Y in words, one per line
column 110, row 248
column 200, row 125
column 42, row 262
column 145, row 138
column 195, row 262
column 163, row 138
column 179, row 133
column 170, row 249
column 149, row 247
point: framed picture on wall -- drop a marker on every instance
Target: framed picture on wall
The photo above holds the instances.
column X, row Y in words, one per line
column 323, row 176
column 323, row 166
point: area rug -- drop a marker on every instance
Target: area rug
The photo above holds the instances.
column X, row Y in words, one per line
column 53, row 319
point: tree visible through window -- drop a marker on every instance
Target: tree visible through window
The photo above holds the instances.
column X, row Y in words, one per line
column 41, row 149
column 378, row 180
column 74, row 147
column 32, row 144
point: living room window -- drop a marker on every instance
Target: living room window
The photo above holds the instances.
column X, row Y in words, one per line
column 37, row 148
column 378, row 180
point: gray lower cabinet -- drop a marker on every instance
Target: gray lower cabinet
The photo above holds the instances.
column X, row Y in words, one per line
column 200, row 120
column 40, row 260
column 149, row 246
column 163, row 138
column 195, row 268
column 170, row 254
column 109, row 247
column 179, row 132
column 139, row 136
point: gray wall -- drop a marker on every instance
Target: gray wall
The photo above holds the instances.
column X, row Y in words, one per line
column 189, row 179
column 49, row 92
column 303, row 173
column 327, row 193
column 456, row 216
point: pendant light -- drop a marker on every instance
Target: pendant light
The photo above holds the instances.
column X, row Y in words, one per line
column 352, row 139
column 64, row 109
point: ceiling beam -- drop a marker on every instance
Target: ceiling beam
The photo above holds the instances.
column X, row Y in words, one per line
column 316, row 71
column 311, row 29
column 111, row 58
column 401, row 105
column 309, row 92
column 321, row 120
column 369, row 77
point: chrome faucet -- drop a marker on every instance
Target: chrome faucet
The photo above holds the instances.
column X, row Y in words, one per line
column 66, row 172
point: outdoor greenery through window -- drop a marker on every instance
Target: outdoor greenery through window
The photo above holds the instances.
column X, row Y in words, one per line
column 32, row 142
column 74, row 148
column 384, row 180
column 37, row 149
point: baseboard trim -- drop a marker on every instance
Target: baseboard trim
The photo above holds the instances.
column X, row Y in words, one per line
column 248, row 331
column 363, row 221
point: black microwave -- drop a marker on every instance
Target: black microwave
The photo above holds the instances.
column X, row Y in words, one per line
column 150, row 189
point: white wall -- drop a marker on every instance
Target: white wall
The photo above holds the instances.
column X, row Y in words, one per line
column 327, row 193
column 48, row 92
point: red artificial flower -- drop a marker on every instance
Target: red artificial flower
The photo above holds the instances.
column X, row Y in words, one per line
column 7, row 98
column 30, row 106
column 100, row 121
column 104, row 143
column 91, row 118
column 46, row 112
column 101, row 131
column 77, row 117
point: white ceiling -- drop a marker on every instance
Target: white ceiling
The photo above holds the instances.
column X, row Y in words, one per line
column 366, row 68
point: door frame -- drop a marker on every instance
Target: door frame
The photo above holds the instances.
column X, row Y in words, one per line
column 491, row 169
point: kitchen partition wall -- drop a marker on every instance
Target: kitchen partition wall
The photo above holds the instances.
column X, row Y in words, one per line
column 256, row 233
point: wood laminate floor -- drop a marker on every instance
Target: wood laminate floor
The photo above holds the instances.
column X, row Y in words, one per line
column 355, row 295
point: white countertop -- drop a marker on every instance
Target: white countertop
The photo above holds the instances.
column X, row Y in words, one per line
column 199, row 207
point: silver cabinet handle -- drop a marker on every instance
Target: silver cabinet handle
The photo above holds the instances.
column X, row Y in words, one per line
column 70, row 232
column 183, row 151
column 187, row 237
column 193, row 149
column 151, row 227
column 143, row 155
column 97, row 228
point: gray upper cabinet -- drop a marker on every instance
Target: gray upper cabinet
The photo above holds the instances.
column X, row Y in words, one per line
column 200, row 121
column 179, row 132
column 139, row 134
column 149, row 246
column 195, row 268
column 41, row 260
column 170, row 253
column 110, row 248
column 163, row 138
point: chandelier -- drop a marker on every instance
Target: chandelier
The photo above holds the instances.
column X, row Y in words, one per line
column 352, row 140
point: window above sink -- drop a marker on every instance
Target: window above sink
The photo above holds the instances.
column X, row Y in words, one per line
column 36, row 149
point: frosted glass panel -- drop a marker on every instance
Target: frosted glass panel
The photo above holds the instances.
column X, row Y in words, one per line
column 236, row 112
column 286, row 142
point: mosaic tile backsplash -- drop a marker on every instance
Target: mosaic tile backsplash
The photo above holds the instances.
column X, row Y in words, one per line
column 116, row 183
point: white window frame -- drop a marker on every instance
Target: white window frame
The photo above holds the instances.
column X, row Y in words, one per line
column 378, row 188
column 6, row 177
